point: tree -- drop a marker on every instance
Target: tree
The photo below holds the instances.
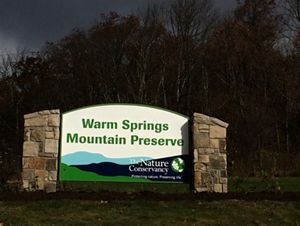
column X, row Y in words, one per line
column 244, row 66
column 191, row 22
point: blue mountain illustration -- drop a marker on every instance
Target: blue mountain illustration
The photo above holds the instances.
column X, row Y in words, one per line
column 111, row 169
column 85, row 158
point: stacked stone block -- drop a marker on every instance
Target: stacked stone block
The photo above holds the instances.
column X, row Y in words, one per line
column 40, row 150
column 210, row 161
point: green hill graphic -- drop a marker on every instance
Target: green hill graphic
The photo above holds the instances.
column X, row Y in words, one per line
column 69, row 173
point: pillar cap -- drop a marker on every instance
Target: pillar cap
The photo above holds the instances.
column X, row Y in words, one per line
column 211, row 120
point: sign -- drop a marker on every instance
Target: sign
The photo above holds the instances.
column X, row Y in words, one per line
column 124, row 143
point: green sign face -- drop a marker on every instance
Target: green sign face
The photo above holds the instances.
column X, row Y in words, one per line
column 124, row 143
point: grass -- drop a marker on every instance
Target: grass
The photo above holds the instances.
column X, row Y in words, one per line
column 157, row 211
column 78, row 212
column 283, row 184
column 126, row 187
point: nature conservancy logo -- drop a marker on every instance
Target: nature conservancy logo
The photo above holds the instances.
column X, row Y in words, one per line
column 177, row 165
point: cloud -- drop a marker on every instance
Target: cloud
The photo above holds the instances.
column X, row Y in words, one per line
column 30, row 23
column 225, row 5
column 7, row 44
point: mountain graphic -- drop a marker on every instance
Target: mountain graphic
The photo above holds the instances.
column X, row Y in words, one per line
column 85, row 158
column 111, row 169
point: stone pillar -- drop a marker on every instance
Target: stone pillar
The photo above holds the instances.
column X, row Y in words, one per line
column 40, row 150
column 210, row 160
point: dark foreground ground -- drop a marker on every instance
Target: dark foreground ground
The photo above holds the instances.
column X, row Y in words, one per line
column 249, row 202
column 147, row 208
column 148, row 196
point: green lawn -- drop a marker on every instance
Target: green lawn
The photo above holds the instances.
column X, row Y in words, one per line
column 281, row 184
column 76, row 212
column 150, row 209
column 284, row 184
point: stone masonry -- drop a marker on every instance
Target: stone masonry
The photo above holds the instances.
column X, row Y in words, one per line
column 210, row 161
column 40, row 150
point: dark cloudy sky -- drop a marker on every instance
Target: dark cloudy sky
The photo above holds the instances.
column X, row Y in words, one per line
column 30, row 23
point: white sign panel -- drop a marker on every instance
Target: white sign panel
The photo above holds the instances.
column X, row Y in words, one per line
column 118, row 142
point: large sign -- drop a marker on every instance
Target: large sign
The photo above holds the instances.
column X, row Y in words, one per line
column 124, row 143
